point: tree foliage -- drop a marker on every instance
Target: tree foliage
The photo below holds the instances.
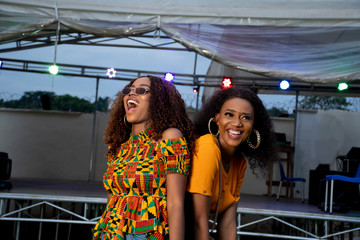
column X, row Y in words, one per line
column 51, row 101
column 278, row 112
column 324, row 103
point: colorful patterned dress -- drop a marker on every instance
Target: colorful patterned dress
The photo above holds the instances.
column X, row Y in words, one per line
column 136, row 179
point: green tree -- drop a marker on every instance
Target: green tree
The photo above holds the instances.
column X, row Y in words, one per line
column 278, row 112
column 324, row 103
column 50, row 101
column 71, row 104
column 103, row 104
column 30, row 100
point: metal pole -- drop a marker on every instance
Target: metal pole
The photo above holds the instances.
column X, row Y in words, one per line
column 195, row 81
column 92, row 155
column 296, row 114
column 42, row 209
column 197, row 100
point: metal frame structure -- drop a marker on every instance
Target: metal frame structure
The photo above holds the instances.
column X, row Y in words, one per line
column 265, row 85
column 59, row 35
column 313, row 226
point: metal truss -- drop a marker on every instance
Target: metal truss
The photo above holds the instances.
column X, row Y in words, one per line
column 47, row 38
column 308, row 225
column 19, row 213
column 320, row 224
column 49, row 209
column 260, row 85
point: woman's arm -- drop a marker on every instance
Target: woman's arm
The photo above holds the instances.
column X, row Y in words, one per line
column 175, row 205
column 227, row 223
column 108, row 198
column 175, row 189
column 201, row 208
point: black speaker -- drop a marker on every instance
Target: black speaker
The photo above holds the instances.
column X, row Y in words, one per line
column 5, row 166
column 45, row 102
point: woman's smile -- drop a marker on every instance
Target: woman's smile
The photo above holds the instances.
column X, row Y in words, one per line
column 235, row 121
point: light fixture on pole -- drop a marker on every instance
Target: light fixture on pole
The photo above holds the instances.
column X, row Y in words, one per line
column 169, row 77
column 53, row 69
column 284, row 85
column 226, row 83
column 342, row 86
column 111, row 72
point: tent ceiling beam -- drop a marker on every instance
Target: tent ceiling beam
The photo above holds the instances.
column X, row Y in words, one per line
column 48, row 39
column 260, row 85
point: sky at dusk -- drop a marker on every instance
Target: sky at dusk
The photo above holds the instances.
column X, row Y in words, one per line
column 14, row 83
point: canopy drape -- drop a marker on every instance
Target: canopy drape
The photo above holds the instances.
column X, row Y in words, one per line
column 314, row 41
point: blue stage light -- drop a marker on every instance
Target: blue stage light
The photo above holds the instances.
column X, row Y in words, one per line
column 1, row 63
column 169, row 76
column 284, row 85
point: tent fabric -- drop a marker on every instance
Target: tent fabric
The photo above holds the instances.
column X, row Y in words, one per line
column 315, row 41
column 310, row 54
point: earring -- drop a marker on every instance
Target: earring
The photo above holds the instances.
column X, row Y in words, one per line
column 126, row 122
column 209, row 127
column 258, row 140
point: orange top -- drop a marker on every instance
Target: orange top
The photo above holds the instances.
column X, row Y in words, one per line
column 204, row 174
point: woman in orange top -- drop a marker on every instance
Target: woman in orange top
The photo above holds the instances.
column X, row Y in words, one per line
column 234, row 128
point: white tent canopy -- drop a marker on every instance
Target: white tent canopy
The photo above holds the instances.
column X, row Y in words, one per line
column 315, row 41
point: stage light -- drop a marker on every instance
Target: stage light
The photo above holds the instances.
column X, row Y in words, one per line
column 169, row 77
column 195, row 90
column 343, row 86
column 111, row 72
column 1, row 63
column 284, row 85
column 53, row 69
column 226, row 83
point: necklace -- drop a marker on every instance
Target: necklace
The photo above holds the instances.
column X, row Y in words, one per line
column 226, row 164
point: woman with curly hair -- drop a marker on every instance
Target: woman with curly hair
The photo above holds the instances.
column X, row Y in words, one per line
column 150, row 138
column 234, row 129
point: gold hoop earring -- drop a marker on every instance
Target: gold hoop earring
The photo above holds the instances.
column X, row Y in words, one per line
column 258, row 140
column 126, row 122
column 209, row 127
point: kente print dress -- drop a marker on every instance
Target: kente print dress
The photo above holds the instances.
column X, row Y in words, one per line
column 136, row 180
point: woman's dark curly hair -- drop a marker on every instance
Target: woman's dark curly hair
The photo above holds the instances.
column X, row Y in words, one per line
column 167, row 110
column 266, row 152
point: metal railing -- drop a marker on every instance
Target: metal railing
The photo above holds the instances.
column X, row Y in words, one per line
column 69, row 210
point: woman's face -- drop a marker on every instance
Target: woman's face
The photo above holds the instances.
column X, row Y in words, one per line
column 235, row 121
column 137, row 105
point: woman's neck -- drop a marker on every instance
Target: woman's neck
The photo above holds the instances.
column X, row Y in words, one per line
column 137, row 128
column 226, row 160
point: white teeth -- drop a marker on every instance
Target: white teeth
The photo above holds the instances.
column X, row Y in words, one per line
column 234, row 132
column 133, row 102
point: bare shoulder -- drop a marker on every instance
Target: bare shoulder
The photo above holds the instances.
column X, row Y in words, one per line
column 172, row 133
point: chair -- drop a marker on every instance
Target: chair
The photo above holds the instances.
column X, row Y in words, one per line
column 331, row 178
column 283, row 178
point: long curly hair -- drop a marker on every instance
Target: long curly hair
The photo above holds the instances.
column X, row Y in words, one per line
column 266, row 152
column 167, row 110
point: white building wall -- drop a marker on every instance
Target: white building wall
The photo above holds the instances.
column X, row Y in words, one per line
column 51, row 144
column 57, row 145
column 321, row 136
